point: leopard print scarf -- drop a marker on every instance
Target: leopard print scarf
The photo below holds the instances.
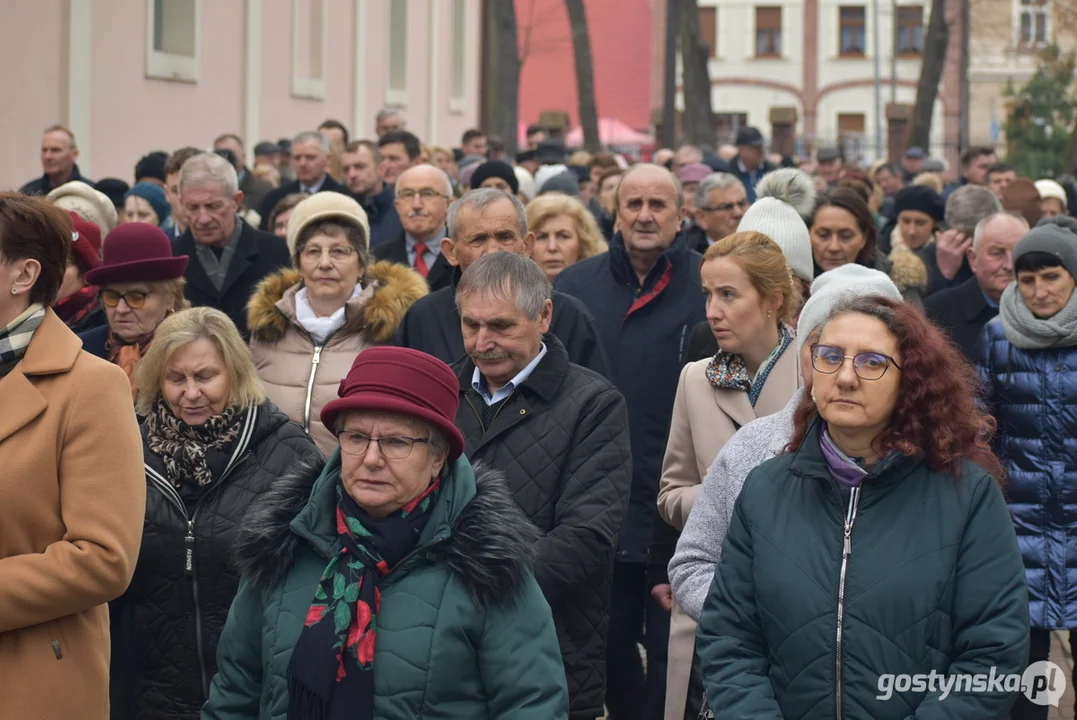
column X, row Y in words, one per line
column 183, row 447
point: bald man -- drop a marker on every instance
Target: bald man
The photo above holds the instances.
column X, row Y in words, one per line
column 645, row 297
column 423, row 194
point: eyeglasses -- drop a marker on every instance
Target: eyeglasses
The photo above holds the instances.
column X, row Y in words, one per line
column 395, row 447
column 134, row 299
column 828, row 359
column 726, row 207
column 425, row 194
column 338, row 253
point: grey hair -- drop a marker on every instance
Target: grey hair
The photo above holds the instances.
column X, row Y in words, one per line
column 793, row 187
column 446, row 184
column 506, row 273
column 312, row 136
column 714, row 181
column 480, row 199
column 206, row 168
column 439, row 444
column 386, row 113
column 981, row 227
column 968, row 205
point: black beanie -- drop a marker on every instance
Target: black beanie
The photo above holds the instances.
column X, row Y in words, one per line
column 495, row 169
column 919, row 197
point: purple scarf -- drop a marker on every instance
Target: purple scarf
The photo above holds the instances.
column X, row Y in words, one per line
column 844, row 470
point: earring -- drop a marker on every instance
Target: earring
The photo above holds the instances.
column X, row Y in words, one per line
column 14, row 291
column 813, row 396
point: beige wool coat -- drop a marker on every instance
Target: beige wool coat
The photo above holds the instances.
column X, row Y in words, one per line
column 301, row 377
column 704, row 419
column 73, row 500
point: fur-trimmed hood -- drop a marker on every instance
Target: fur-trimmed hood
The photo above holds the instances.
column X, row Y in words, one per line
column 907, row 270
column 491, row 546
column 395, row 288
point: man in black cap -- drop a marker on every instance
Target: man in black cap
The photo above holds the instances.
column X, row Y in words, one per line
column 551, row 152
column 267, row 153
column 829, row 165
column 496, row 174
column 913, row 163
column 749, row 165
column 529, row 161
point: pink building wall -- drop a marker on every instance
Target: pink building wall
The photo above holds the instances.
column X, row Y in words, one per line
column 131, row 114
column 620, row 33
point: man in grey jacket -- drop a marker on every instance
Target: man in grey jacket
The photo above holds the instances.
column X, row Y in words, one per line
column 699, row 548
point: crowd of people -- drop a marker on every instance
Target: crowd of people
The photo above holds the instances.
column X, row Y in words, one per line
column 370, row 428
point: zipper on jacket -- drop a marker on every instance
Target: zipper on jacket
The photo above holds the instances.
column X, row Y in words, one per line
column 189, row 541
column 478, row 415
column 310, row 386
column 847, row 550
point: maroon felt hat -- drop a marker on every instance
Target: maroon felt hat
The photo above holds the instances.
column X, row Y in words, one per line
column 137, row 252
column 405, row 381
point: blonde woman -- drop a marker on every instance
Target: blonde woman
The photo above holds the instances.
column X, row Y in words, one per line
column 212, row 443
column 565, row 232
column 751, row 302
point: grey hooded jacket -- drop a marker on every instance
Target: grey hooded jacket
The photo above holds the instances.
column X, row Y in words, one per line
column 691, row 570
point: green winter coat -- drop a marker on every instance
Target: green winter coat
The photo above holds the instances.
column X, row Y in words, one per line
column 463, row 629
column 933, row 582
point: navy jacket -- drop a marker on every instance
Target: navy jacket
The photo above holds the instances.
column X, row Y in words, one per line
column 381, row 212
column 43, row 185
column 94, row 340
column 749, row 180
column 645, row 331
column 1033, row 394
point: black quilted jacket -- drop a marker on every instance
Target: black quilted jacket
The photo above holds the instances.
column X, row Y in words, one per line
column 562, row 440
column 166, row 626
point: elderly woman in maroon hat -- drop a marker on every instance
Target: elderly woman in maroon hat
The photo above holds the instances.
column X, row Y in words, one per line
column 140, row 284
column 395, row 581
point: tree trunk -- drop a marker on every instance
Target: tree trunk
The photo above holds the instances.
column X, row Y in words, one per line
column 585, row 74
column 669, row 77
column 698, row 116
column 935, row 42
column 503, row 74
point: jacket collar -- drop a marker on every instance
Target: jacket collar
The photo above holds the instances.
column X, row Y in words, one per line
column 52, row 350
column 621, row 264
column 245, row 254
column 973, row 302
column 545, row 380
column 808, row 462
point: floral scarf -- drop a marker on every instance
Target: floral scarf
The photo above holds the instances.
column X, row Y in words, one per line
column 76, row 306
column 331, row 674
column 727, row 371
column 185, row 449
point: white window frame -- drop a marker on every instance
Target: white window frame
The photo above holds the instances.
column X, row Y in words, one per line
column 1018, row 11
column 396, row 97
column 169, row 66
column 302, row 86
column 458, row 103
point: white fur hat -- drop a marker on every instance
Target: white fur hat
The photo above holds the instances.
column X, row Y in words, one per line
column 781, row 223
column 89, row 204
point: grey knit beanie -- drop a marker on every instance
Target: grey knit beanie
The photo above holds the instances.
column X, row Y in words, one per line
column 564, row 182
column 850, row 280
column 782, row 224
column 1052, row 240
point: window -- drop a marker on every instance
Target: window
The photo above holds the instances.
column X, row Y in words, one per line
column 708, row 30
column 851, row 138
column 727, row 124
column 308, row 48
column 1035, row 16
column 910, row 30
column 768, row 32
column 851, row 37
column 459, row 43
column 173, row 39
column 398, row 53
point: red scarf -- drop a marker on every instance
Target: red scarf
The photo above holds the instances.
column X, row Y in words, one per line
column 76, row 306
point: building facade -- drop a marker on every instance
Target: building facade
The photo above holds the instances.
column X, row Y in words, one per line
column 1004, row 38
column 132, row 76
column 803, row 72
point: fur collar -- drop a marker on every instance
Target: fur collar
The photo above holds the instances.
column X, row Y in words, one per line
column 907, row 270
column 491, row 547
column 396, row 287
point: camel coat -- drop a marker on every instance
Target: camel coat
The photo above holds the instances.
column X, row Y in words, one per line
column 301, row 377
column 73, row 497
column 704, row 418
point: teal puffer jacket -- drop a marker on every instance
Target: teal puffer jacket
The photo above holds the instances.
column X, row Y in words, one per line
column 933, row 581
column 463, row 629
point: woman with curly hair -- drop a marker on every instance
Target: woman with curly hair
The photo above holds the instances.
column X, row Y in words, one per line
column 876, row 548
column 1029, row 363
column 565, row 233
